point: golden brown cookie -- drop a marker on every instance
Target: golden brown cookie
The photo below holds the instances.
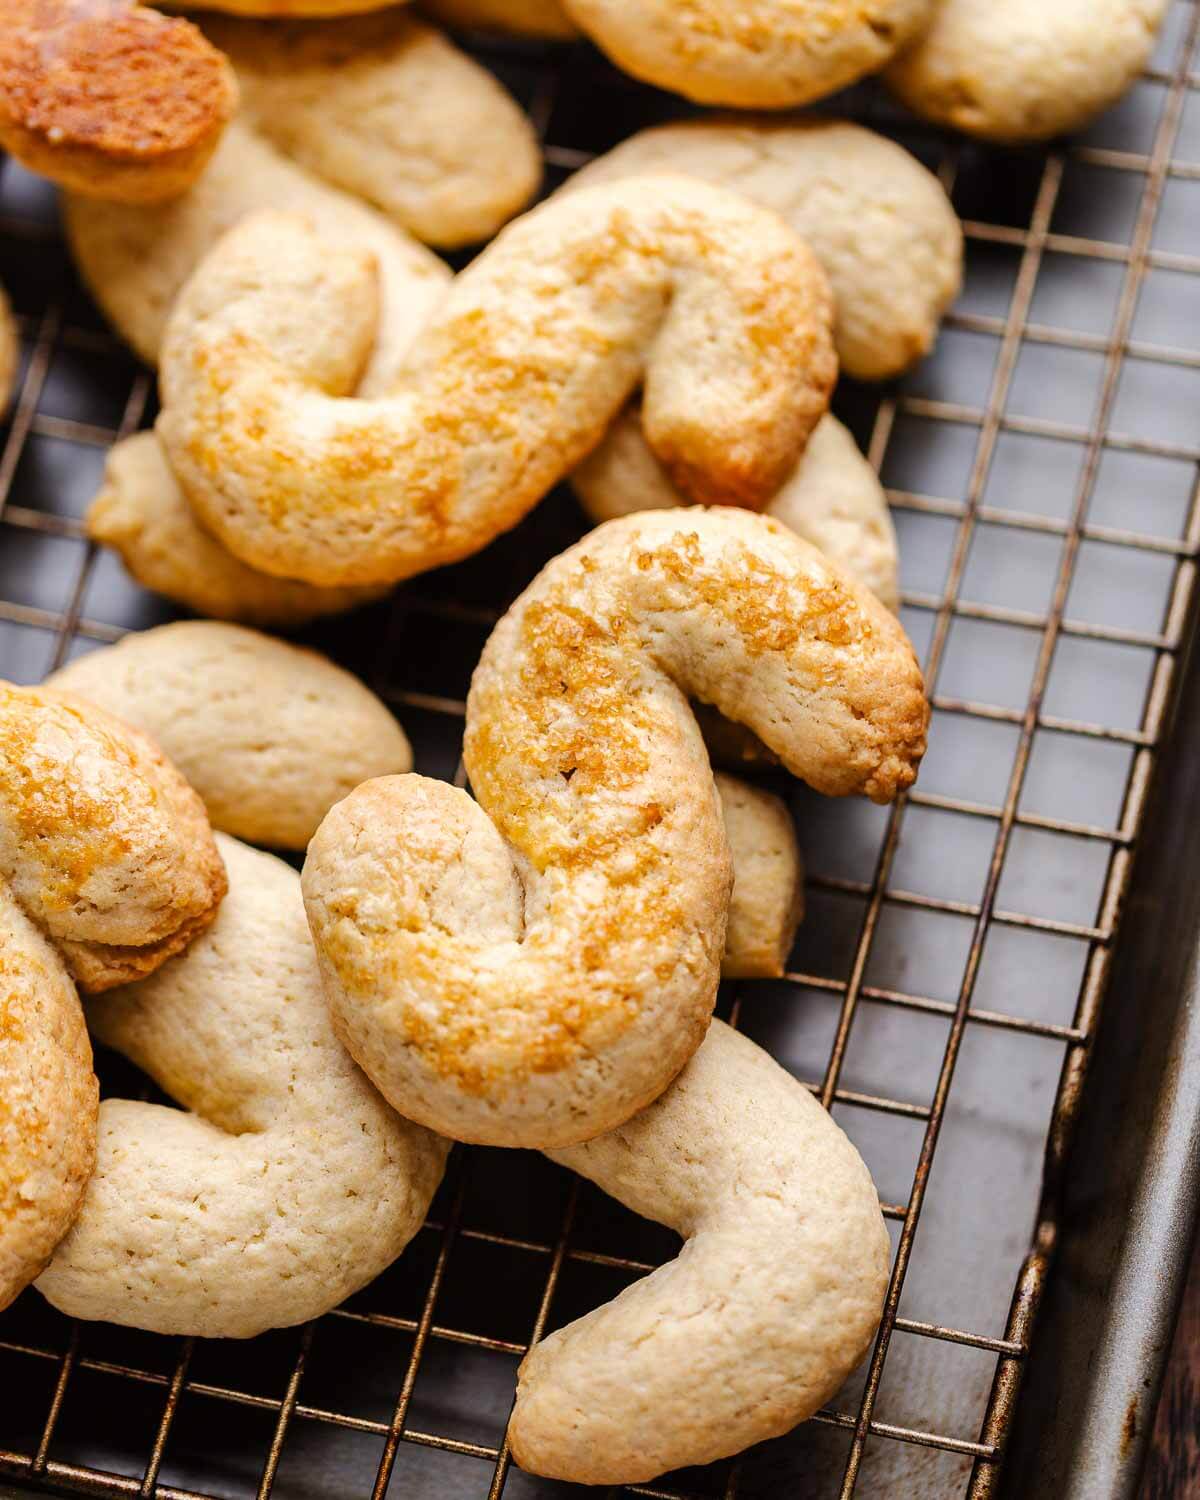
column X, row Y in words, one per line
column 110, row 98
column 48, row 1099
column 104, row 845
column 533, row 967
column 715, row 303
column 756, row 54
column 107, row 867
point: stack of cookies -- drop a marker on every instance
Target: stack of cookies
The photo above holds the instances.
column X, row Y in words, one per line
column 256, row 205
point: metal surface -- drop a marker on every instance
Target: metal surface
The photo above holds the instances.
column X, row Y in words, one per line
column 946, row 989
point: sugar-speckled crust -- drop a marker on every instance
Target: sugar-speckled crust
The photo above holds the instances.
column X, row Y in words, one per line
column 880, row 224
column 104, row 845
column 534, row 967
column 756, row 54
column 269, row 735
column 135, row 259
column 539, row 18
column 772, row 1303
column 48, row 1100
column 289, row 1183
column 142, row 514
column 715, row 303
column 110, row 98
column 833, row 497
column 1024, row 70
column 10, row 351
column 386, row 108
column 767, row 904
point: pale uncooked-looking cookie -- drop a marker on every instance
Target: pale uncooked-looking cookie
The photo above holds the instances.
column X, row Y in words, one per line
column 10, row 351
column 285, row 1186
column 533, row 968
column 832, row 499
column 110, row 98
column 716, row 303
column 269, row 735
column 48, row 1100
column 141, row 513
column 756, row 54
column 387, row 109
column 877, row 220
column 772, row 1303
column 1024, row 70
column 767, row 903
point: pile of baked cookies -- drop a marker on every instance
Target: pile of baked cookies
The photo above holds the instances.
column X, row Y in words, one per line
column 251, row 204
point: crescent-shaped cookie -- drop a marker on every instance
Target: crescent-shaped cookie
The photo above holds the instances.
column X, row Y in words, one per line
column 711, row 301
column 533, row 967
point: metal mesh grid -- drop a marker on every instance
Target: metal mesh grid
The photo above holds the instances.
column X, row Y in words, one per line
column 1069, row 373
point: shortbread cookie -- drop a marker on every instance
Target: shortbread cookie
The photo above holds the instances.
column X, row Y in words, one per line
column 10, row 352
column 772, row 1303
column 534, row 967
column 141, row 513
column 1024, row 70
column 767, row 903
column 715, row 302
column 284, row 1184
column 832, row 499
column 880, row 224
column 268, row 734
column 387, row 109
column 756, row 54
column 104, row 845
column 110, row 98
column 538, row 18
column 48, row 1100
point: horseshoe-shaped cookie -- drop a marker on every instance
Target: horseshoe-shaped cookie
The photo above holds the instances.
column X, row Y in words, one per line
column 714, row 303
column 287, row 1184
column 773, row 1301
column 533, row 968
column 107, row 867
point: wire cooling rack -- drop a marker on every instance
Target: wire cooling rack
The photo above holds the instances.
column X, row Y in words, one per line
column 1042, row 466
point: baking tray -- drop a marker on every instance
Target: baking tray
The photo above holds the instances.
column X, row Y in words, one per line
column 945, row 994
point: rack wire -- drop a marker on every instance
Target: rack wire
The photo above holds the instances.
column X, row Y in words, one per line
column 1073, row 361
